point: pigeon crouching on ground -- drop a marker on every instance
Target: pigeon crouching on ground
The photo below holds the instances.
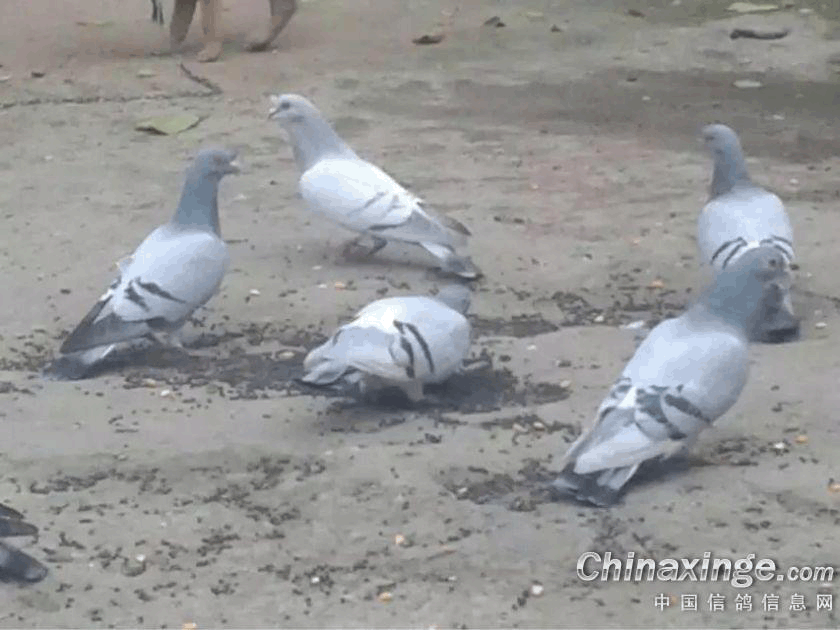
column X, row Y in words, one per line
column 686, row 373
column 338, row 184
column 14, row 564
column 177, row 269
column 403, row 342
column 741, row 216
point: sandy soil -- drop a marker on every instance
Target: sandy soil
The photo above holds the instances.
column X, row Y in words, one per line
column 570, row 152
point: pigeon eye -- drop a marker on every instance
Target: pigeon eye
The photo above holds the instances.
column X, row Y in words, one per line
column 285, row 105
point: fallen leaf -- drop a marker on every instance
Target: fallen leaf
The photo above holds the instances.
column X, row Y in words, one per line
column 169, row 125
column 436, row 38
column 749, row 7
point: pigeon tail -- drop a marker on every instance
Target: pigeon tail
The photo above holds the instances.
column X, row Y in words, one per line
column 106, row 330
column 77, row 365
column 17, row 565
column 601, row 488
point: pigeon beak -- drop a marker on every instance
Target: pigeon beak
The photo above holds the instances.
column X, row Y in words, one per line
column 272, row 112
column 235, row 166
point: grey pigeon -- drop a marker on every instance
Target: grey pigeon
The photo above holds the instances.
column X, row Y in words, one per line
column 338, row 184
column 176, row 269
column 740, row 216
column 686, row 373
column 398, row 341
column 14, row 564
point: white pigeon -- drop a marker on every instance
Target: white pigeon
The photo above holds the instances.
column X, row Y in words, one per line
column 740, row 216
column 15, row 564
column 176, row 269
column 686, row 373
column 398, row 341
column 338, row 184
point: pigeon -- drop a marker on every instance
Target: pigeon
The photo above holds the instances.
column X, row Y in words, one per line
column 15, row 564
column 177, row 269
column 740, row 216
column 686, row 373
column 338, row 184
column 402, row 342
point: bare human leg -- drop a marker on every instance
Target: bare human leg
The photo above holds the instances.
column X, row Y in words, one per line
column 182, row 15
column 281, row 12
column 210, row 10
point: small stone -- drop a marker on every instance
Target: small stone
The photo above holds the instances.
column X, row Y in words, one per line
column 132, row 567
column 166, row 393
column 820, row 325
column 537, row 589
column 399, row 540
column 556, row 29
column 519, row 428
column 317, row 268
column 254, row 292
column 385, row 596
column 149, row 382
column 834, row 486
column 538, row 426
column 5, row 77
column 145, row 73
column 189, row 625
column 314, row 580
column 565, row 384
column 599, row 319
column 780, row 447
column 747, row 84
column 340, row 286
column 286, row 355
column 801, row 439
column 656, row 284
column 37, row 74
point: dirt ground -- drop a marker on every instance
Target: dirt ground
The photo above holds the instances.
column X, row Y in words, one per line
column 566, row 141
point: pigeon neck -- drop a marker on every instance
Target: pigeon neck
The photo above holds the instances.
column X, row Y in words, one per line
column 315, row 141
column 730, row 170
column 736, row 299
column 199, row 206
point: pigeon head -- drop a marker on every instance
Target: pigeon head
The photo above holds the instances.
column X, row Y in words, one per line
column 198, row 207
column 311, row 136
column 730, row 168
column 290, row 109
column 456, row 297
column 748, row 292
column 215, row 163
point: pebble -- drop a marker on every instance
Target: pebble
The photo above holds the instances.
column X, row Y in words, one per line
column 565, row 384
column 254, row 292
column 747, row 84
column 385, row 596
column 537, row 589
column 820, row 325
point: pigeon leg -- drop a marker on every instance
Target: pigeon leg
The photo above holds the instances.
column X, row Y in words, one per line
column 210, row 10
column 281, row 12
column 179, row 25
